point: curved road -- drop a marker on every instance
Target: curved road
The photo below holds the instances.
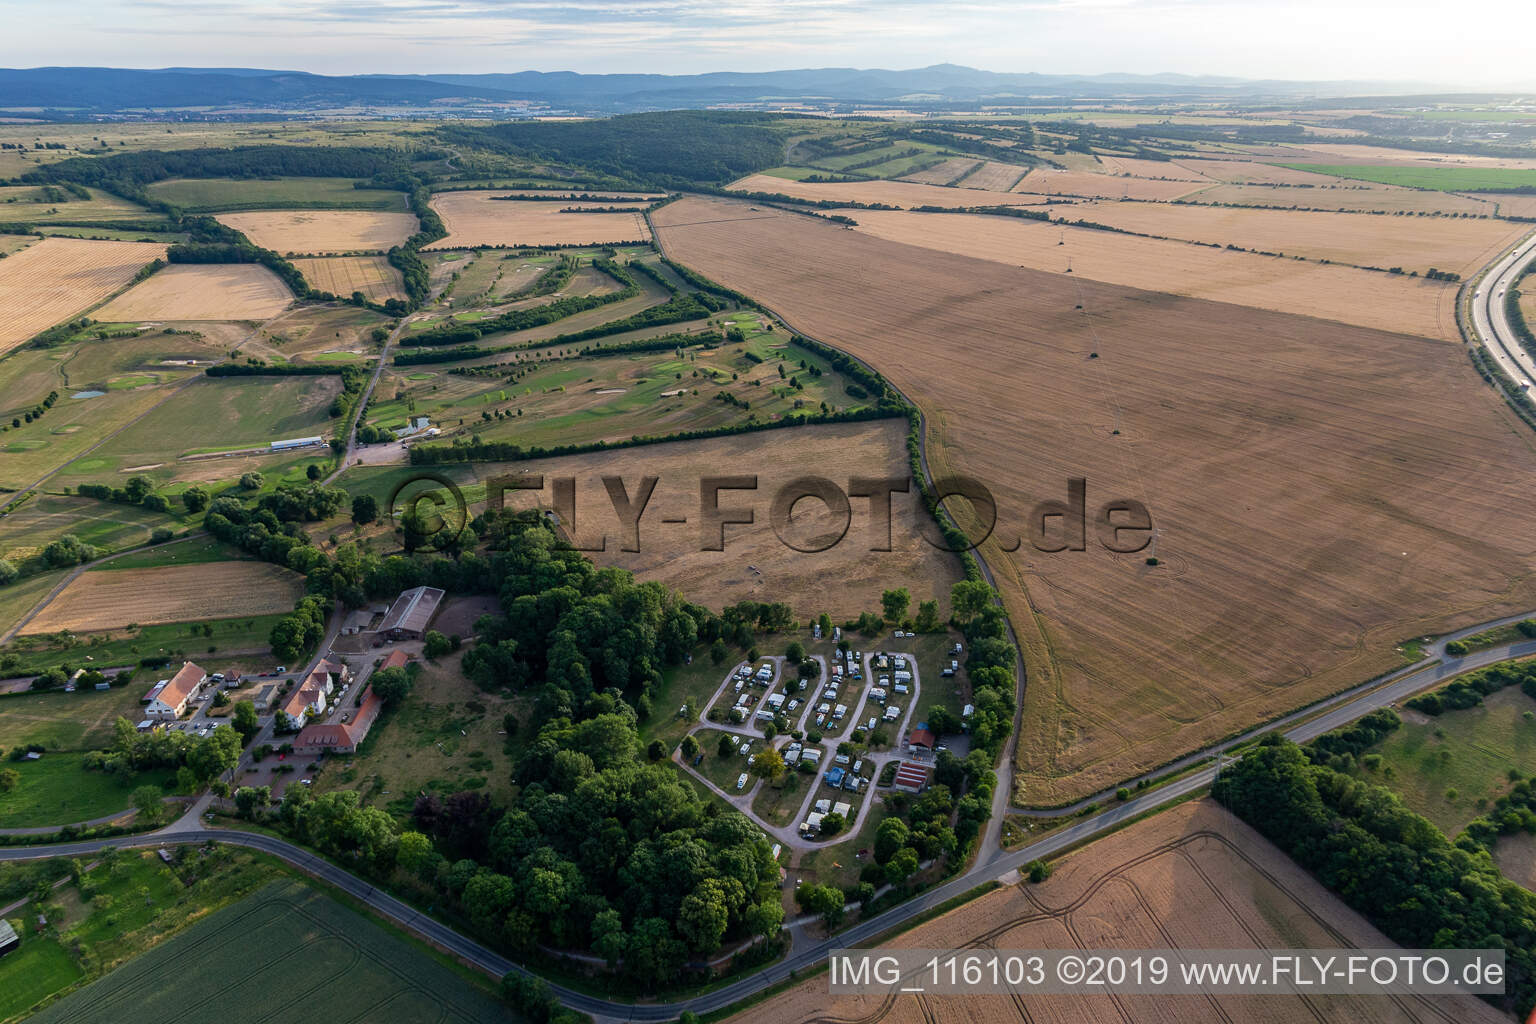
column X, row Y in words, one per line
column 991, row 864
column 1489, row 319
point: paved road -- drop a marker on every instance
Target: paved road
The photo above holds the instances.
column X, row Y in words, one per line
column 992, row 865
column 1433, row 652
column 1488, row 315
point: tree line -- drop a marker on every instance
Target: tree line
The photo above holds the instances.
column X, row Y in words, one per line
column 1390, row 864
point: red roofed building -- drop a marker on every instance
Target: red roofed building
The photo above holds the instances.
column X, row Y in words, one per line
column 911, row 778
column 339, row 737
column 171, row 701
column 396, row 659
column 308, row 698
column 920, row 742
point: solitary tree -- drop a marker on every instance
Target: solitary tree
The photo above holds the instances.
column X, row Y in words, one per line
column 365, row 509
column 147, row 801
column 894, row 604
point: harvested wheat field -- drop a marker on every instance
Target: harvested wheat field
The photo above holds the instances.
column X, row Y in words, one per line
column 57, row 278
column 1514, row 205
column 1346, row 294
column 343, row 275
column 843, row 581
column 1414, row 243
column 1287, row 463
column 476, row 219
column 1343, row 197
column 946, row 173
column 1193, row 877
column 1051, row 182
column 322, row 231
column 1246, row 172
column 1157, row 170
column 905, row 194
column 111, row 598
column 992, row 176
column 203, row 291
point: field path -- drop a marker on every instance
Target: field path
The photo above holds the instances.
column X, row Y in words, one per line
column 362, row 402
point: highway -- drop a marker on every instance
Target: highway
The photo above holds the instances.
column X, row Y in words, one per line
column 1489, row 319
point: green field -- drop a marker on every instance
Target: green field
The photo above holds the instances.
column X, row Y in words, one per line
column 28, row 205
column 283, row 953
column 1449, row 767
column 111, row 234
column 1440, row 179
column 57, row 790
column 184, row 552
column 46, row 517
column 19, row 598
column 35, row 654
column 211, row 415
column 446, row 736
column 207, row 194
column 77, row 721
column 611, row 398
column 126, row 904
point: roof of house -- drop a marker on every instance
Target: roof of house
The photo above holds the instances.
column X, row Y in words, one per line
column 921, row 737
column 413, row 609
column 301, row 698
column 396, row 659
column 329, row 667
column 7, row 933
column 342, row 734
column 909, row 774
column 188, row 678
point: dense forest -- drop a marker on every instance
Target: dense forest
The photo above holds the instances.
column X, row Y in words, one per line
column 1387, row 862
column 666, row 150
column 142, row 167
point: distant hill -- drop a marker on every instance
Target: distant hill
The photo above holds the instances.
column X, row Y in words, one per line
column 106, row 90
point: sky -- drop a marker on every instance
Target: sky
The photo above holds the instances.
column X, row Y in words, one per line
column 1355, row 40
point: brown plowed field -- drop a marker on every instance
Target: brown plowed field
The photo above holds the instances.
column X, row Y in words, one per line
column 1347, row 294
column 1309, row 480
column 322, row 231
column 56, row 278
column 755, row 565
column 202, row 291
column 1242, row 172
column 478, row 219
column 1051, row 182
column 343, row 275
column 1341, row 197
column 1413, row 243
column 113, row 598
column 944, row 173
column 904, row 194
column 1191, row 878
column 994, row 177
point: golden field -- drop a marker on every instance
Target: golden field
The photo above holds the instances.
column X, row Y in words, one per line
column 1297, row 471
